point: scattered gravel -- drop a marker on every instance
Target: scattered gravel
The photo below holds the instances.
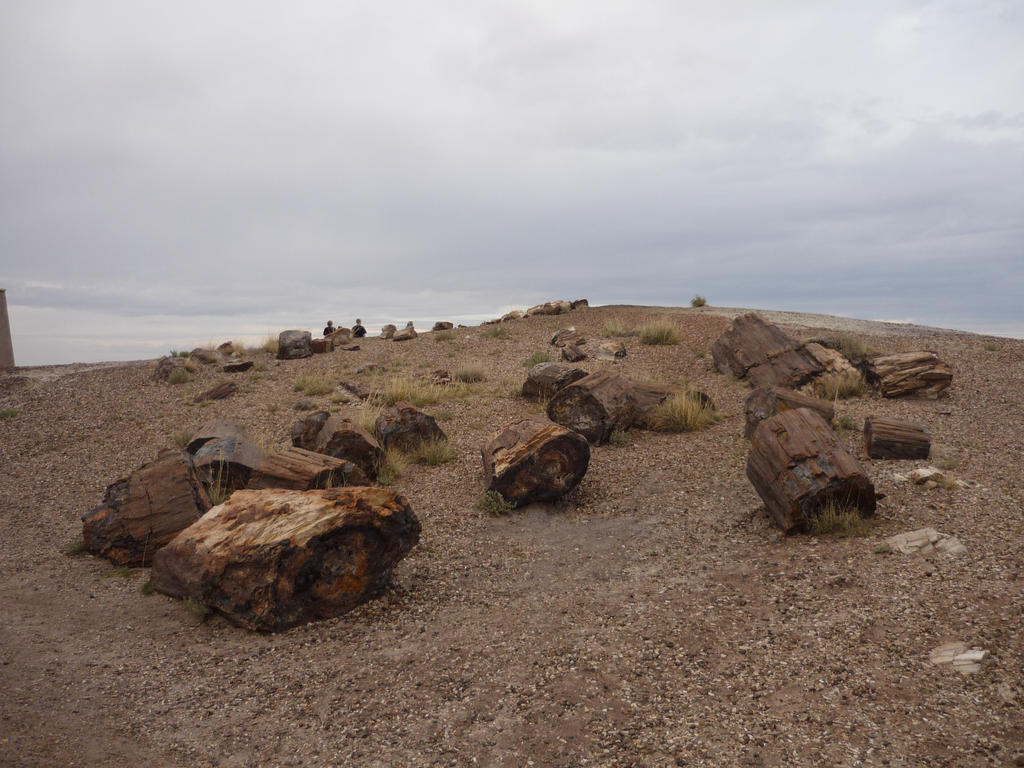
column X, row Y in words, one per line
column 653, row 619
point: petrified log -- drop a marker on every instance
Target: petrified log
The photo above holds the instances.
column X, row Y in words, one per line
column 765, row 402
column 567, row 336
column 405, row 334
column 238, row 366
column 545, row 379
column 595, row 405
column 224, row 455
column 762, row 352
column 304, row 431
column 831, row 360
column 292, row 345
column 142, row 512
column 268, row 560
column 892, row 439
column 533, row 460
column 611, row 350
column 403, row 426
column 387, row 331
column 339, row 336
column 217, row 392
column 579, row 303
column 300, row 470
column 442, row 325
column 165, row 366
column 790, row 369
column 647, row 397
column 797, row 466
column 515, row 314
column 355, row 388
column 320, row 346
column 344, row 439
column 573, row 354
column 908, row 373
column 206, row 356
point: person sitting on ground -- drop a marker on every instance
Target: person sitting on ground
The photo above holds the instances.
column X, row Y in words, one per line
column 357, row 330
column 330, row 328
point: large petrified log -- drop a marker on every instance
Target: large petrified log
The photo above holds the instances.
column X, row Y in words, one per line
column 344, row 439
column 762, row 352
column 269, row 560
column 224, row 455
column 405, row 334
column 797, row 466
column 305, row 430
column 568, row 336
column 142, row 512
column 908, row 373
column 300, row 470
column 292, row 345
column 765, row 402
column 545, row 379
column 403, row 426
column 595, row 405
column 533, row 460
column 892, row 439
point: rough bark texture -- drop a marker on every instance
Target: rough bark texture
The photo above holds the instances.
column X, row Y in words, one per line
column 566, row 337
column 908, row 373
column 762, row 352
column 442, row 325
column 305, row 430
column 797, row 465
column 404, row 426
column 765, row 402
column 224, row 455
column 344, row 439
column 320, row 346
column 790, row 369
column 300, row 470
column 217, row 392
column 545, row 379
column 595, row 405
column 573, row 354
column 647, row 397
column 268, row 560
column 892, row 439
column 238, row 366
column 140, row 513
column 533, row 460
column 292, row 345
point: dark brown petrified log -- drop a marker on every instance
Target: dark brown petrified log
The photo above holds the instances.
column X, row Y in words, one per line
column 344, row 439
column 798, row 466
column 218, row 391
column 140, row 513
column 762, row 352
column 533, row 460
column 908, row 373
column 765, row 402
column 545, row 379
column 403, row 426
column 892, row 439
column 305, row 430
column 224, row 455
column 573, row 354
column 301, row 470
column 595, row 405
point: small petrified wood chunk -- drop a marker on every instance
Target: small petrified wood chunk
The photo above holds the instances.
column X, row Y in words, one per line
column 344, row 439
column 305, row 430
column 533, row 460
column 893, row 439
column 442, row 325
column 355, row 388
column 765, row 402
column 387, row 331
column 301, row 470
column 908, row 373
column 611, row 350
column 405, row 334
column 403, row 426
column 268, row 560
column 579, row 304
column 320, row 346
column 595, row 405
column 165, row 366
column 568, row 336
column 292, row 345
column 140, row 513
column 218, row 391
column 224, row 455
column 797, row 466
column 573, row 354
column 545, row 379
column 239, row 366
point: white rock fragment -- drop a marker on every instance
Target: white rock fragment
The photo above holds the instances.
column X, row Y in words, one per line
column 963, row 659
column 927, row 474
column 924, row 541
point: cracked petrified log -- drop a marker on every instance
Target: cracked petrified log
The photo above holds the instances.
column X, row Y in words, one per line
column 300, row 470
column 217, row 392
column 760, row 351
column 533, row 460
column 595, row 405
column 893, row 439
column 405, row 427
column 268, row 560
column 344, row 439
column 224, row 455
column 568, row 336
column 140, row 513
column 797, row 467
column 908, row 373
column 442, row 325
column 305, row 430
column 545, row 379
column 292, row 345
column 765, row 402
column 573, row 354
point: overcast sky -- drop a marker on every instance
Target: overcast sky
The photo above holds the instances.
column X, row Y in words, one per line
column 196, row 170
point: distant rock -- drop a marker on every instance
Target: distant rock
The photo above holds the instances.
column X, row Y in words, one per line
column 405, row 334
column 387, row 331
column 442, row 325
column 403, row 426
column 218, row 391
column 293, row 345
column 165, row 366
column 206, row 356
column 237, row 366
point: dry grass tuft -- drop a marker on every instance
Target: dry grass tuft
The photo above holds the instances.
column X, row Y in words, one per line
column 269, row 344
column 9, row 413
column 313, row 385
column 618, row 438
column 75, row 547
column 496, row 332
column 443, row 336
column 391, row 466
column 839, row 386
column 432, row 452
column 182, row 437
column 616, row 327
column 838, row 519
column 470, row 374
column 536, row 359
column 417, row 392
column 682, row 413
column 852, row 347
column 178, row 376
column 493, row 503
column 659, row 332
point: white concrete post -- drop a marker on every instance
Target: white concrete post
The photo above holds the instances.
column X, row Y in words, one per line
column 6, row 348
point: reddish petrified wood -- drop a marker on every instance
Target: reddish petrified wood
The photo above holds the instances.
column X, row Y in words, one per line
column 533, row 460
column 140, row 513
column 344, row 439
column 304, row 431
column 545, row 379
column 268, row 560
column 797, row 465
column 892, row 439
column 908, row 373
column 301, row 470
column 403, row 426
column 762, row 352
column 765, row 402
column 218, row 391
column 595, row 405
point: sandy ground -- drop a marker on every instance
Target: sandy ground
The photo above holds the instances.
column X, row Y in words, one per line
column 654, row 619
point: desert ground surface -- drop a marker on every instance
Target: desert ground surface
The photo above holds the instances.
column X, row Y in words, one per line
column 654, row 618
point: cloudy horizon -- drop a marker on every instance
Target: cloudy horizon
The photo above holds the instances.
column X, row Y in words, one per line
column 194, row 172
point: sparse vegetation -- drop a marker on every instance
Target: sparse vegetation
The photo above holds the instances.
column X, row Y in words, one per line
column 432, row 452
column 881, row 549
column 181, row 438
column 260, row 367
column 839, row 386
column 536, row 359
column 147, row 587
column 196, row 609
column 659, row 333
column 845, row 423
column 990, row 346
column 191, row 366
column 470, row 374
column 496, row 332
column 684, row 412
column 944, row 457
column 121, row 572
column 698, row 301
column 8, row 413
column 391, row 466
column 313, row 385
column 838, row 519
column 852, row 347
column 417, row 392
column 179, row 353
column 440, row 336
column 75, row 547
column 178, row 376
column 339, row 398
column 616, row 327
column 618, row 438
column 269, row 344
column 493, row 503
column 217, row 489
column 443, row 416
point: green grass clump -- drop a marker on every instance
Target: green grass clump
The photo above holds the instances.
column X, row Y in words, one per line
column 147, row 587
column 179, row 353
column 496, row 332
column 313, row 385
column 178, row 376
column 470, row 374
column 197, row 609
column 121, row 572
column 414, row 391
column 8, row 413
column 684, row 412
column 443, row 336
column 845, row 423
column 839, row 386
column 698, row 301
column 75, row 547
column 618, row 437
column 432, row 452
column 659, row 333
column 990, row 346
column 838, row 519
column 536, row 359
column 493, row 503
column 391, row 466
column 615, row 327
